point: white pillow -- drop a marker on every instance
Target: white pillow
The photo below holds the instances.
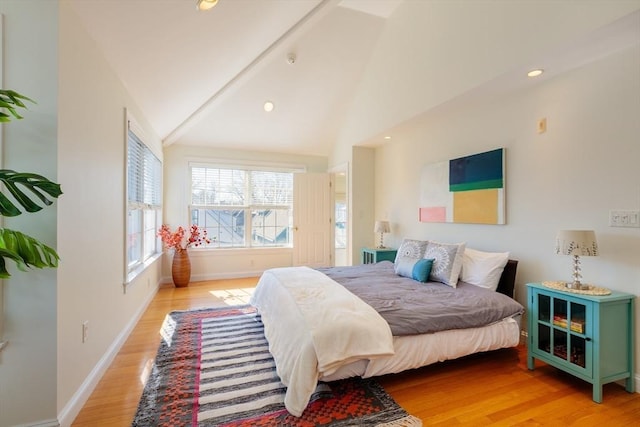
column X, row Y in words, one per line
column 483, row 269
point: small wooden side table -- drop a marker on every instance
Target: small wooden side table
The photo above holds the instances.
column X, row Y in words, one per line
column 373, row 255
column 590, row 337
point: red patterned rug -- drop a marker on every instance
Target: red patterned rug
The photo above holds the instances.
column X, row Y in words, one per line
column 213, row 368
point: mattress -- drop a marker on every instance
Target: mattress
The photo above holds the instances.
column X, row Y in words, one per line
column 415, row 351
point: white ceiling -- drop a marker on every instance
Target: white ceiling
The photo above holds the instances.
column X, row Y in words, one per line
column 201, row 78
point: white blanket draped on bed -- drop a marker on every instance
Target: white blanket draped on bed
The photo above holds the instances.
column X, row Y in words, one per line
column 303, row 310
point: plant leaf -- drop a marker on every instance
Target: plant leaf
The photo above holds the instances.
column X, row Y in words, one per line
column 7, row 208
column 13, row 97
column 11, row 100
column 3, row 268
column 25, row 251
column 30, row 181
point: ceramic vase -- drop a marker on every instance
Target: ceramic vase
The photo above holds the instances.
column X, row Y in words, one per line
column 181, row 268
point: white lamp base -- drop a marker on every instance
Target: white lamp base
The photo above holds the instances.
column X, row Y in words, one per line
column 576, row 285
column 577, row 275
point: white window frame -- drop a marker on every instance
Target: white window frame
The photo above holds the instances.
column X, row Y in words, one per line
column 149, row 202
column 248, row 167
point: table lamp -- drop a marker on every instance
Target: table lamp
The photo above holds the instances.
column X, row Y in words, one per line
column 576, row 243
column 381, row 227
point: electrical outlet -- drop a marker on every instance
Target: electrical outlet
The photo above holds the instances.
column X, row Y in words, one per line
column 85, row 331
column 624, row 218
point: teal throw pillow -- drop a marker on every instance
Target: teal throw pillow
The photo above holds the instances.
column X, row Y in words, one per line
column 416, row 269
column 422, row 269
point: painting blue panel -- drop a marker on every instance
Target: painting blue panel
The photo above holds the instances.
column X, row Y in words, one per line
column 478, row 171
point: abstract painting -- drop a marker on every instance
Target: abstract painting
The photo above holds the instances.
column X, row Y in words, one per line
column 468, row 189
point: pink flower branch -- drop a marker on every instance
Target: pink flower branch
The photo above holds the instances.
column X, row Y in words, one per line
column 176, row 240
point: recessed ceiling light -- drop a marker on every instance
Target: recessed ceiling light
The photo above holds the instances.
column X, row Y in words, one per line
column 387, row 137
column 205, row 4
column 535, row 73
column 269, row 106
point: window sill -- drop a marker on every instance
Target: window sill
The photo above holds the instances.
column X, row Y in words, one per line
column 131, row 276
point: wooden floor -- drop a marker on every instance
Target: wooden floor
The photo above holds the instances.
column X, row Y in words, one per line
column 494, row 388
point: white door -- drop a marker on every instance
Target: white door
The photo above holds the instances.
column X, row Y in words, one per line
column 312, row 219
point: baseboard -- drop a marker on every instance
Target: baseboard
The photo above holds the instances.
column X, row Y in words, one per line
column 218, row 276
column 80, row 397
column 636, row 382
column 43, row 423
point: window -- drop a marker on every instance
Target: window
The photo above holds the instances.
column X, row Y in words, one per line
column 341, row 224
column 242, row 208
column 144, row 201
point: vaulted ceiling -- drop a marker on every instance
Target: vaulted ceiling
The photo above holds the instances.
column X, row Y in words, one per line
column 202, row 78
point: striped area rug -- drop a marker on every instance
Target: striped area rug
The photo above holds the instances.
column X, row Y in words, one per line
column 213, row 368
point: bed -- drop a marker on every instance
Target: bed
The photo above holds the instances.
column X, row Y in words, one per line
column 334, row 323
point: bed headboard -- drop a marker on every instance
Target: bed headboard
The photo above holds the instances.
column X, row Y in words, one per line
column 507, row 281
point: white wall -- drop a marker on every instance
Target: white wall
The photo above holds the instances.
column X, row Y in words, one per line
column 207, row 264
column 91, row 216
column 361, row 218
column 567, row 178
column 28, row 363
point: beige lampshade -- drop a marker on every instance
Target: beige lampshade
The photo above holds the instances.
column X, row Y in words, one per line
column 381, row 227
column 576, row 242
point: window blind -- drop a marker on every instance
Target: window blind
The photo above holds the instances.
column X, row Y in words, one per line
column 242, row 207
column 144, row 173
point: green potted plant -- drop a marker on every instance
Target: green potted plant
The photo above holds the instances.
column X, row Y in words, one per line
column 26, row 189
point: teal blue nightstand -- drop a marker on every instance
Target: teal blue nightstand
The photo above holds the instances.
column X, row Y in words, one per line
column 590, row 337
column 373, row 255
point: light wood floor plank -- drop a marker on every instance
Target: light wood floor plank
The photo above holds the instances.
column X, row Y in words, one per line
column 494, row 388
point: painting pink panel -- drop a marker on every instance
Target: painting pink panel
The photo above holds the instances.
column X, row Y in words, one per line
column 433, row 214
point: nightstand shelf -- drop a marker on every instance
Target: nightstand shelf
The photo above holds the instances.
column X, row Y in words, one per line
column 590, row 337
column 373, row 255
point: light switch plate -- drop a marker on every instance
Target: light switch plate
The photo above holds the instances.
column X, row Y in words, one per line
column 624, row 218
column 542, row 125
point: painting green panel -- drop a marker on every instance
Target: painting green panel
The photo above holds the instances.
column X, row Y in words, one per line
column 479, row 185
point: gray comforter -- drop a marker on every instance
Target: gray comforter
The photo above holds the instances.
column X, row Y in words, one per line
column 411, row 307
